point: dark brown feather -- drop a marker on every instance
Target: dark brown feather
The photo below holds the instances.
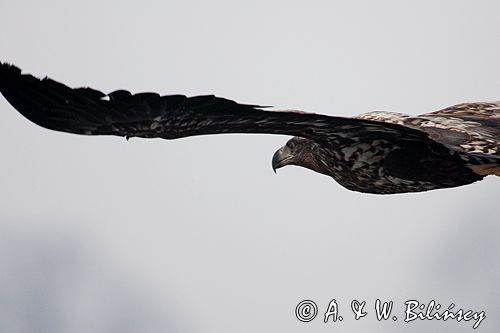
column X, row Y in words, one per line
column 53, row 105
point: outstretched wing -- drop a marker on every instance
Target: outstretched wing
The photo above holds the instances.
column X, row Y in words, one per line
column 469, row 127
column 87, row 111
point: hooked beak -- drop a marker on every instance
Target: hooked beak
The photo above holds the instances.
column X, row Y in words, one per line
column 281, row 157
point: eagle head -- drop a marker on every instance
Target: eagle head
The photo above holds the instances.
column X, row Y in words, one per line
column 301, row 152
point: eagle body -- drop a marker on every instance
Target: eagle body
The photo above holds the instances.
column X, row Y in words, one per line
column 383, row 167
column 376, row 152
column 380, row 166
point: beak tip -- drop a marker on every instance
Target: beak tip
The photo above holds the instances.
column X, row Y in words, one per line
column 280, row 158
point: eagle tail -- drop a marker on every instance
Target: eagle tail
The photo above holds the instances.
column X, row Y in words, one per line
column 488, row 164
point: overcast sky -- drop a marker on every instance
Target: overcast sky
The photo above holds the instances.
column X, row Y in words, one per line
column 99, row 234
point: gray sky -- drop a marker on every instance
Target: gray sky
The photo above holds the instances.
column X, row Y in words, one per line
column 198, row 235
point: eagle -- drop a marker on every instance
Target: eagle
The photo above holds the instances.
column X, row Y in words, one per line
column 377, row 152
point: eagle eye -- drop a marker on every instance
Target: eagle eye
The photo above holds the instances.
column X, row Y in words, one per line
column 291, row 144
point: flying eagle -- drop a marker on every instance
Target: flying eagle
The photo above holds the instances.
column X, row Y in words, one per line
column 376, row 152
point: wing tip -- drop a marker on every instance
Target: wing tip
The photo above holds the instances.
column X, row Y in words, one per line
column 6, row 67
column 8, row 71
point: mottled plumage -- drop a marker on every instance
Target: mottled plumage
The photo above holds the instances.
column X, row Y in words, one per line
column 376, row 152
